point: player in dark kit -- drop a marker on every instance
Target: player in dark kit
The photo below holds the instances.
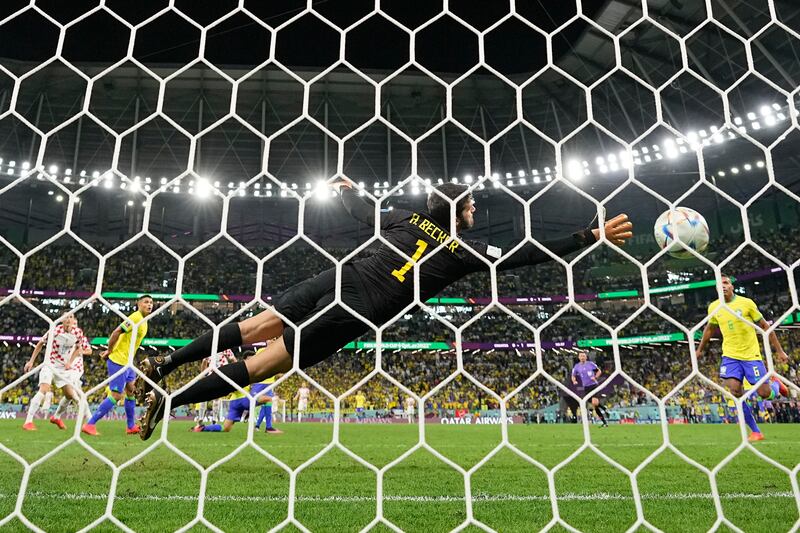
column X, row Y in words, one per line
column 377, row 287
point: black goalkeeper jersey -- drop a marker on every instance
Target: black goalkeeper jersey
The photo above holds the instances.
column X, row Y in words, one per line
column 388, row 279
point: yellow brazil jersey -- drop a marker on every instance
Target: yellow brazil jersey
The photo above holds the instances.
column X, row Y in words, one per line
column 235, row 395
column 119, row 354
column 360, row 401
column 739, row 339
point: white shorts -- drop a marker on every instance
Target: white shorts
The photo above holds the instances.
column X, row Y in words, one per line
column 302, row 405
column 410, row 412
column 62, row 378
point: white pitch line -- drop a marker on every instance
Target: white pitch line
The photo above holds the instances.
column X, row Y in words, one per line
column 570, row 496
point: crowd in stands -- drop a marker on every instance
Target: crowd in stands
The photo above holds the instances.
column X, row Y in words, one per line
column 223, row 269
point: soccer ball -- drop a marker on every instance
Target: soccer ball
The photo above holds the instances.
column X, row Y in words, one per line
column 685, row 224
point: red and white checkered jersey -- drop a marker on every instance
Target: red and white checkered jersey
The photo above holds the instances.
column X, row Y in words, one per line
column 223, row 358
column 63, row 344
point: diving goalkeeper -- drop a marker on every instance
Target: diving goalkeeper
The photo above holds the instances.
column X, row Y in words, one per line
column 377, row 287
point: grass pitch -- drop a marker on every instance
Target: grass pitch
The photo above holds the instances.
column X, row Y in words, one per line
column 248, row 492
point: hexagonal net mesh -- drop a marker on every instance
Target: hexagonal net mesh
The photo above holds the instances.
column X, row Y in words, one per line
column 636, row 107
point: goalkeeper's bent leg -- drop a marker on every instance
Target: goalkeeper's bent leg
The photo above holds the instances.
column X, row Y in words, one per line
column 263, row 326
column 266, row 363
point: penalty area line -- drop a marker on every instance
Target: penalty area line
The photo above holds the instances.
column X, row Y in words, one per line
column 489, row 498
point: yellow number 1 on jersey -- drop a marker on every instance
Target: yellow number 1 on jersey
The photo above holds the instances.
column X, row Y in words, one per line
column 401, row 274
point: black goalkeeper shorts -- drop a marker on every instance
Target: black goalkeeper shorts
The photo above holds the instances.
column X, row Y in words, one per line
column 331, row 331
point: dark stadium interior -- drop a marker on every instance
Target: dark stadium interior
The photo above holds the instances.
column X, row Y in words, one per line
column 145, row 171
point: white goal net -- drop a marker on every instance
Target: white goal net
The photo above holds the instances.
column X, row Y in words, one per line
column 184, row 152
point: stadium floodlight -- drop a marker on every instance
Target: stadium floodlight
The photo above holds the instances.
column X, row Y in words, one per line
column 108, row 184
column 59, row 198
column 734, row 170
column 536, row 179
column 50, row 193
column 770, row 120
column 496, row 184
column 454, row 180
column 67, row 172
column 776, row 106
column 468, row 178
column 203, row 188
column 321, row 190
column 52, row 170
column 83, row 174
column 751, row 116
column 760, row 164
column 26, row 165
column 523, row 181
column 130, row 203
column 671, row 149
column 756, row 125
column 721, row 173
column 574, row 170
column 765, row 110
column 748, row 166
column 510, row 183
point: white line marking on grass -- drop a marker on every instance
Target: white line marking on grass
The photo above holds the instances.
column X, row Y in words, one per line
column 570, row 496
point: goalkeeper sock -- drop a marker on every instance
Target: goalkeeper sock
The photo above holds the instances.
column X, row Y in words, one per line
column 230, row 336
column 212, row 427
column 214, row 386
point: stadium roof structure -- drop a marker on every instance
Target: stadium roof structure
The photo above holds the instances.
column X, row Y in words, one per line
column 521, row 153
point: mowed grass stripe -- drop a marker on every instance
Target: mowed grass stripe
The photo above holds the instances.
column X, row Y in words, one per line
column 601, row 496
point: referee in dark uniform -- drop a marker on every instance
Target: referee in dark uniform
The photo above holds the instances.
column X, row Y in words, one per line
column 377, row 287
